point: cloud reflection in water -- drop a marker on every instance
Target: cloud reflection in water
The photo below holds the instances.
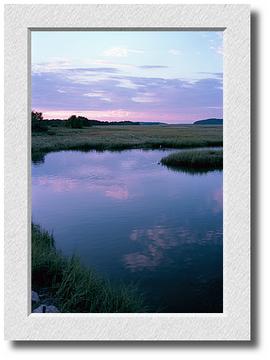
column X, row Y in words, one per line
column 156, row 241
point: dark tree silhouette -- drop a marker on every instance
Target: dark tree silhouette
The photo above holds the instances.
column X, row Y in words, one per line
column 74, row 122
column 37, row 122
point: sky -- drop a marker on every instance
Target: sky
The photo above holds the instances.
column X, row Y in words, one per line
column 164, row 76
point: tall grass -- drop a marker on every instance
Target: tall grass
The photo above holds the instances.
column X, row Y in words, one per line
column 75, row 288
column 195, row 161
column 126, row 137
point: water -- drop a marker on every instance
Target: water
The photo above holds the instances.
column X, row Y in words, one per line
column 135, row 220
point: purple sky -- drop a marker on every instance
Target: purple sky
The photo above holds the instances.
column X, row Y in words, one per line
column 173, row 77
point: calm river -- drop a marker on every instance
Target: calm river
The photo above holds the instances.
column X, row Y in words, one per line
column 134, row 220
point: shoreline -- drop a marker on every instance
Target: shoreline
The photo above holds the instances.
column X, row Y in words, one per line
column 119, row 138
column 194, row 161
column 72, row 287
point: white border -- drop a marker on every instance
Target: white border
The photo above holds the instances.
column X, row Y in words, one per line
column 234, row 323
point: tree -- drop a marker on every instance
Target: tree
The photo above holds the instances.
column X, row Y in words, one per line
column 37, row 122
column 74, row 122
column 84, row 121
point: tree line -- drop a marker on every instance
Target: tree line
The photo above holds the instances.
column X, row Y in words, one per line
column 39, row 124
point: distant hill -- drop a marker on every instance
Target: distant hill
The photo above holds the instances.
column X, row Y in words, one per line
column 213, row 121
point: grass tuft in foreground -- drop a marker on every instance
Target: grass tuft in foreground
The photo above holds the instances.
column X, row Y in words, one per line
column 194, row 161
column 73, row 287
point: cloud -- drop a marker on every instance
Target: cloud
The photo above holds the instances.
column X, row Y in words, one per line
column 125, row 66
column 218, row 49
column 98, row 94
column 153, row 67
column 64, row 66
column 218, row 75
column 127, row 83
column 142, row 99
column 52, row 66
column 116, row 96
column 145, row 98
column 120, row 52
column 104, row 115
column 95, row 69
column 119, row 66
column 174, row 52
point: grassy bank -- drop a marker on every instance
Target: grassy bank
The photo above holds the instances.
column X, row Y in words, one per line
column 125, row 137
column 195, row 161
column 73, row 287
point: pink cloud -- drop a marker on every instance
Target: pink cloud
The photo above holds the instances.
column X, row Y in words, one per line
column 121, row 115
column 98, row 115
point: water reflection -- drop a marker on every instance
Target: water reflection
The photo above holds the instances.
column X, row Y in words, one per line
column 190, row 171
column 218, row 200
column 57, row 184
column 137, row 221
column 157, row 240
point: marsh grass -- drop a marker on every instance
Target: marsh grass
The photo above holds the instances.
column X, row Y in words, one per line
column 73, row 287
column 126, row 137
column 194, row 161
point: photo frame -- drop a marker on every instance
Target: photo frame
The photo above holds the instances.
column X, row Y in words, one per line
column 234, row 322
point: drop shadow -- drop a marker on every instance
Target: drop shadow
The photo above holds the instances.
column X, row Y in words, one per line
column 254, row 177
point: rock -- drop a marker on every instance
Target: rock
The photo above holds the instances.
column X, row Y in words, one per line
column 52, row 309
column 46, row 309
column 35, row 297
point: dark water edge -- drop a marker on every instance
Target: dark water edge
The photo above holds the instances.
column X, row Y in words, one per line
column 135, row 221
